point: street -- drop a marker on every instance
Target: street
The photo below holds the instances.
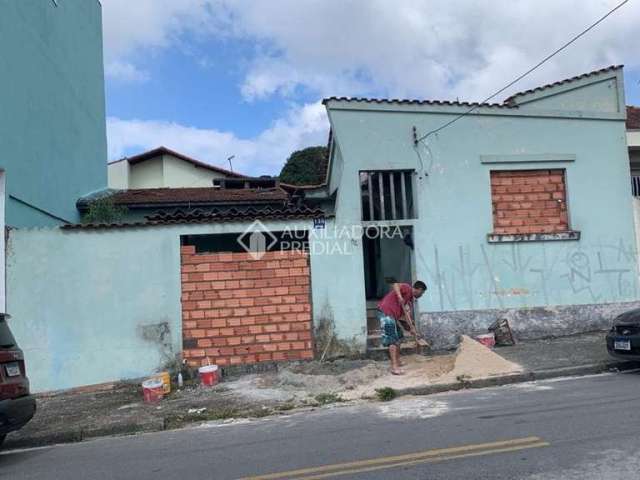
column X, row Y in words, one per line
column 571, row 428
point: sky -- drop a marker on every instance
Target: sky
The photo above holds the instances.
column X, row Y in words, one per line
column 216, row 78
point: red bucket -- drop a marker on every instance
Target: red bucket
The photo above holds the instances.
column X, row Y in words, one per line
column 152, row 390
column 209, row 375
column 487, row 339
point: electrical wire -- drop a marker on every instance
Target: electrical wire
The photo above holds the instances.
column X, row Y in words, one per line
column 536, row 66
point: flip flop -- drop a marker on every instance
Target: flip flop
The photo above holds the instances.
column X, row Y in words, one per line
column 399, row 372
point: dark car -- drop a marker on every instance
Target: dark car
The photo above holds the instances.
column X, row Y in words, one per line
column 623, row 340
column 17, row 406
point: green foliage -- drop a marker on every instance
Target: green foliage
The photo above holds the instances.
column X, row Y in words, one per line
column 386, row 394
column 104, row 210
column 327, row 398
column 306, row 167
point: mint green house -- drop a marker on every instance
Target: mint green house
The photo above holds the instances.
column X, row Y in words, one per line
column 52, row 115
column 519, row 210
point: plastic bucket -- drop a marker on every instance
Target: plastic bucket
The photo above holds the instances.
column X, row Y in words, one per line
column 208, row 375
column 166, row 381
column 152, row 390
column 487, row 339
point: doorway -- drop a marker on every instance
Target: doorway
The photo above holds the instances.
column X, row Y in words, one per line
column 388, row 259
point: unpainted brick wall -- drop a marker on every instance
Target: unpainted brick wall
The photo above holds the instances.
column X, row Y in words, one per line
column 238, row 310
column 529, row 201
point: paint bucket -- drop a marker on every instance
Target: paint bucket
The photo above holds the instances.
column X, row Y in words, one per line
column 487, row 339
column 166, row 381
column 152, row 390
column 208, row 375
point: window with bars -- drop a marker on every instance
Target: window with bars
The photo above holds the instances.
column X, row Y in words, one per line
column 387, row 195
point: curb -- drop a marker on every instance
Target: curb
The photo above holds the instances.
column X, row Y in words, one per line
column 78, row 434
column 75, row 435
column 578, row 371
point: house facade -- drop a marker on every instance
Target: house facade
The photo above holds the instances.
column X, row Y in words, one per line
column 506, row 213
column 164, row 168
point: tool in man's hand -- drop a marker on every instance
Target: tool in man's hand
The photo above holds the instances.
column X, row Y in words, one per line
column 420, row 342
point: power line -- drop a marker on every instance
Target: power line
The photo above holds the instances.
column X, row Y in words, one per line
column 540, row 63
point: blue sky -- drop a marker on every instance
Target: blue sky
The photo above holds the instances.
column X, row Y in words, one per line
column 214, row 78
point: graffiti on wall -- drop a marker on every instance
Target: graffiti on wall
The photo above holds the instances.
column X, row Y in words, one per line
column 513, row 275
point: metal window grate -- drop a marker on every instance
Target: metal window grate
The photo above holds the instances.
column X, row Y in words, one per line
column 387, row 195
column 635, row 185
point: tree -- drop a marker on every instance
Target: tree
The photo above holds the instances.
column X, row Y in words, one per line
column 306, row 167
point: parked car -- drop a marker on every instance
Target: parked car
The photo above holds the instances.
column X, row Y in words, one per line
column 17, row 405
column 623, row 340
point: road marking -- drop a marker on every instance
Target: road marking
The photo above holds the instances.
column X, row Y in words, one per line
column 427, row 456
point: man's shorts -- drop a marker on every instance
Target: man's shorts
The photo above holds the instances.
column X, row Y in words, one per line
column 391, row 332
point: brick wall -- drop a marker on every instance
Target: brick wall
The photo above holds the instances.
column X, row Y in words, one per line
column 237, row 310
column 529, row 201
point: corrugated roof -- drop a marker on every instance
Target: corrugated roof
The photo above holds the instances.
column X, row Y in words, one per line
column 156, row 152
column 200, row 195
column 566, row 80
column 633, row 117
column 415, row 102
column 198, row 216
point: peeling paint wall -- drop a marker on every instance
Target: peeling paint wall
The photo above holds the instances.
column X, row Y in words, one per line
column 95, row 306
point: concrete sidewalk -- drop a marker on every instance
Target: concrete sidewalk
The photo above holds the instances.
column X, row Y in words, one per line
column 75, row 416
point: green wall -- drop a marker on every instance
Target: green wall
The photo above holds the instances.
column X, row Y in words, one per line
column 52, row 120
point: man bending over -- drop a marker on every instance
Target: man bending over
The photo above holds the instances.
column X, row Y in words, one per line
column 394, row 310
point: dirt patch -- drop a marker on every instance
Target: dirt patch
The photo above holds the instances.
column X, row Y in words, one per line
column 355, row 379
column 471, row 361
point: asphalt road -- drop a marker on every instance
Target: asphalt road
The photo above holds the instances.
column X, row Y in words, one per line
column 581, row 428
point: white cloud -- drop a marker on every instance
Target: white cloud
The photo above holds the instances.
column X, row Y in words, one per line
column 421, row 48
column 264, row 154
column 414, row 48
column 125, row 72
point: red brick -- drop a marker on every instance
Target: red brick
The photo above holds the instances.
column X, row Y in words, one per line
column 194, row 353
column 219, row 323
column 248, row 339
column 262, row 338
column 198, row 333
column 255, row 329
column 188, row 250
column 204, row 342
column 226, row 332
column 189, row 325
column 212, row 352
column 241, row 330
column 219, row 342
column 204, row 323
column 247, row 321
column 213, row 332
column 279, row 356
column 264, row 357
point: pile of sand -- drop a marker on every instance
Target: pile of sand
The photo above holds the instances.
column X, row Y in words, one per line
column 472, row 360
column 358, row 379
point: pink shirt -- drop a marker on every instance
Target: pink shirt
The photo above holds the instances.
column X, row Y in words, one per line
column 390, row 304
